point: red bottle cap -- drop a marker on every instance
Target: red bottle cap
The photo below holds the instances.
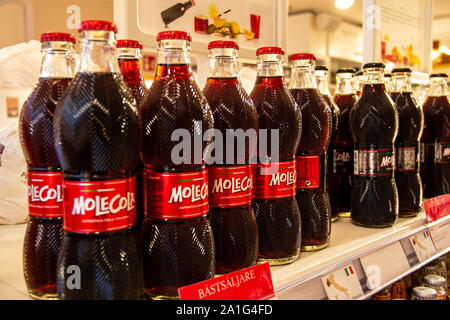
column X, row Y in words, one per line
column 269, row 50
column 58, row 36
column 129, row 44
column 223, row 44
column 178, row 35
column 98, row 25
column 302, row 56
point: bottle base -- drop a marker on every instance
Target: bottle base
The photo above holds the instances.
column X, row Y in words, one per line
column 344, row 214
column 278, row 261
column 316, row 247
column 408, row 214
column 43, row 295
column 156, row 296
column 373, row 226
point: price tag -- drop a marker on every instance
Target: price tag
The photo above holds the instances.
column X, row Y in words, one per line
column 342, row 284
column 437, row 207
column 423, row 245
column 384, row 264
column 440, row 235
column 253, row 283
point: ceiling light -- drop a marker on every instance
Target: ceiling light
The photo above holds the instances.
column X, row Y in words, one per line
column 343, row 4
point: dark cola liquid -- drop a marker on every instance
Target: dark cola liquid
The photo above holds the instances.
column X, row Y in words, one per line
column 234, row 228
column 314, row 204
column 43, row 236
column 407, row 176
column 329, row 154
column 341, row 166
column 92, row 147
column 176, row 252
column 40, row 252
column 373, row 123
column 435, row 143
column 278, row 220
column 132, row 76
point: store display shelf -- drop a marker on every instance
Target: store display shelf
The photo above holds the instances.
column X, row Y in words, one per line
column 349, row 243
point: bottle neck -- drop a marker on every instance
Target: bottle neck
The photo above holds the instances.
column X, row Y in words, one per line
column 270, row 65
column 401, row 82
column 98, row 51
column 438, row 87
column 57, row 60
column 130, row 65
column 322, row 82
column 360, row 83
column 345, row 84
column 173, row 51
column 302, row 75
column 374, row 76
column 388, row 83
column 173, row 59
column 223, row 63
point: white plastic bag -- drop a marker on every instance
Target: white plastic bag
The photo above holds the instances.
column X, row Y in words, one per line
column 13, row 177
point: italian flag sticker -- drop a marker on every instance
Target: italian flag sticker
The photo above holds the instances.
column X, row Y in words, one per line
column 349, row 271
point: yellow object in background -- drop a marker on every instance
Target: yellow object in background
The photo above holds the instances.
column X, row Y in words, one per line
column 213, row 11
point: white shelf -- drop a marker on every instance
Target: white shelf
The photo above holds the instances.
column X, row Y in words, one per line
column 296, row 281
column 301, row 279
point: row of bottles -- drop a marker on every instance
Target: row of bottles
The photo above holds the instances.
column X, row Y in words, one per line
column 410, row 145
column 99, row 153
column 116, row 193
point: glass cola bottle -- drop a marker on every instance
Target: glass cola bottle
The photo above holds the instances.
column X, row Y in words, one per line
column 359, row 82
column 435, row 142
column 374, row 127
column 230, row 178
column 45, row 194
column 321, row 74
column 97, row 138
column 129, row 55
column 280, row 127
column 312, row 195
column 340, row 183
column 177, row 239
column 410, row 128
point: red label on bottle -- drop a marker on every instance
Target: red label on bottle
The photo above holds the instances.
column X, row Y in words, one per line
column 99, row 206
column 275, row 180
column 308, row 172
column 230, row 186
column 45, row 194
column 252, row 283
column 176, row 195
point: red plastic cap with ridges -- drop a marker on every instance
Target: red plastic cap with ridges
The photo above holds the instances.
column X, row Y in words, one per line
column 58, row 36
column 269, row 50
column 129, row 44
column 302, row 56
column 97, row 25
column 175, row 35
column 223, row 44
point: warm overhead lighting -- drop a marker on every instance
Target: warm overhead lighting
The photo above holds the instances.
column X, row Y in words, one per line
column 343, row 4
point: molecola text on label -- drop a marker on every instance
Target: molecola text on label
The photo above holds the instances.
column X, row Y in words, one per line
column 387, row 161
column 195, row 192
column 342, row 156
column 233, row 184
column 289, row 177
column 103, row 205
column 45, row 193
